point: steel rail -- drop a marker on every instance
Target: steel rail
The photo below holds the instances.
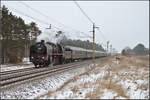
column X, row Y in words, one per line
column 28, row 72
column 14, row 71
column 34, row 75
column 40, row 72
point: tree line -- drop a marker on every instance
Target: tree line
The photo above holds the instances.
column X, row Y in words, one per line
column 79, row 43
column 16, row 37
column 138, row 50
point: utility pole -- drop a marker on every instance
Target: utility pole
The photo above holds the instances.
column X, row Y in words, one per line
column 93, row 43
column 93, row 56
column 107, row 45
column 110, row 49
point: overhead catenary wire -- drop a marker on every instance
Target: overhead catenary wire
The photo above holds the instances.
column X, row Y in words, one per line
column 37, row 11
column 93, row 54
column 83, row 12
column 43, row 22
column 93, row 28
column 36, row 19
column 33, row 18
column 104, row 38
column 88, row 18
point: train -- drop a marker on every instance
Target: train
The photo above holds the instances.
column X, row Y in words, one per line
column 47, row 53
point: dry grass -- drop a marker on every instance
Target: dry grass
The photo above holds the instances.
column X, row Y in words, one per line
column 140, row 61
column 133, row 61
column 114, row 87
column 126, row 63
column 49, row 93
column 106, row 84
column 143, row 86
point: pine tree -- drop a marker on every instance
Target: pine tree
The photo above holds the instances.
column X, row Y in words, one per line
column 16, row 36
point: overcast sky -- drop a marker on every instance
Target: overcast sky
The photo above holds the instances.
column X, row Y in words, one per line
column 123, row 23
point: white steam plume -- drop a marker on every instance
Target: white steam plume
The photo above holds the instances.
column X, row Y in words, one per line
column 50, row 36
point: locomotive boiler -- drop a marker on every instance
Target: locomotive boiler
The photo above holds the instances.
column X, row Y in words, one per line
column 42, row 54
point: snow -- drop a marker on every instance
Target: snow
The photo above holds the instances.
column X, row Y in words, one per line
column 67, row 92
column 79, row 88
column 35, row 88
column 120, row 97
column 25, row 60
column 24, row 64
column 9, row 68
column 131, row 82
column 140, row 82
column 108, row 94
column 133, row 91
column 132, row 85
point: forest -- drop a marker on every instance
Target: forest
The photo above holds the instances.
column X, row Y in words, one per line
column 16, row 38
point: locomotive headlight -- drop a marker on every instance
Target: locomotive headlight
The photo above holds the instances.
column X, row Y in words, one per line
column 42, row 57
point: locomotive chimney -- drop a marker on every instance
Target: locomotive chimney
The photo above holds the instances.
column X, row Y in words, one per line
column 42, row 41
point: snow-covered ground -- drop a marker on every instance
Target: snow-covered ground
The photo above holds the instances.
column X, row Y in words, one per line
column 127, row 78
column 24, row 64
column 39, row 87
column 124, row 79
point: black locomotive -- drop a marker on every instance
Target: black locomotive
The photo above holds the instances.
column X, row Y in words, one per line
column 43, row 54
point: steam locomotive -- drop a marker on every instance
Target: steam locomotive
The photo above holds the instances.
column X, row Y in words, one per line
column 45, row 53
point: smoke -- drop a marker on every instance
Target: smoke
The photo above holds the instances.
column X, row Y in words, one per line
column 51, row 36
column 56, row 36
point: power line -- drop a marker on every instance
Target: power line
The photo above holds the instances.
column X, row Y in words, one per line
column 88, row 17
column 43, row 22
column 17, row 11
column 102, row 35
column 104, row 38
column 37, row 11
column 83, row 12
column 40, row 13
column 50, row 18
column 36, row 19
column 93, row 54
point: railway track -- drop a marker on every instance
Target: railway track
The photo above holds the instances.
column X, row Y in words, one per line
column 14, row 71
column 27, row 71
column 10, row 78
column 20, row 76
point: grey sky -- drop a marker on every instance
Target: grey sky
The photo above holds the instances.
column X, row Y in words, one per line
column 123, row 23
